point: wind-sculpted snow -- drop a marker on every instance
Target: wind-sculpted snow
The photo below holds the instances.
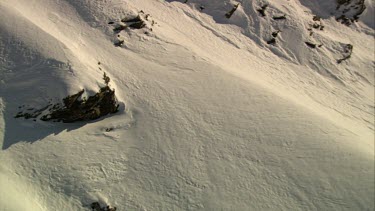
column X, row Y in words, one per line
column 215, row 118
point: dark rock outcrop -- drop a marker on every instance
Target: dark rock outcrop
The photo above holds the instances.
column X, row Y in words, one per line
column 95, row 206
column 75, row 109
column 311, row 45
column 230, row 13
column 262, row 10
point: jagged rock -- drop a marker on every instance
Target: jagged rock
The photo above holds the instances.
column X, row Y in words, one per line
column 275, row 33
column 350, row 10
column 271, row 41
column 262, row 10
column 348, row 50
column 230, row 13
column 316, row 18
column 102, row 103
column 138, row 25
column 95, row 206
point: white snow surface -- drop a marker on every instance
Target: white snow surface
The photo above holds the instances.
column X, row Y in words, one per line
column 211, row 116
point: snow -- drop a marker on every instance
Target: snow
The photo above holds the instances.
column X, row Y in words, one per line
column 211, row 116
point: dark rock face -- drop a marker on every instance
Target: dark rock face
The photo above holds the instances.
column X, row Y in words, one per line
column 281, row 17
column 349, row 11
column 138, row 25
column 348, row 50
column 75, row 109
column 272, row 41
column 95, row 206
column 311, row 45
column 262, row 10
column 230, row 13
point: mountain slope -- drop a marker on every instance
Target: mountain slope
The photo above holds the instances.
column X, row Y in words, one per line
column 211, row 117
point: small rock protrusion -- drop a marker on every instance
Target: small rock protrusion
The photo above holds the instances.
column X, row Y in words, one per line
column 281, row 17
column 275, row 33
column 230, row 13
column 310, row 44
column 272, row 41
column 262, row 10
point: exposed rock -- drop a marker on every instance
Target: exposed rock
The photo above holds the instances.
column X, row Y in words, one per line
column 119, row 43
column 348, row 50
column 275, row 33
column 282, row 17
column 349, row 11
column 137, row 25
column 95, row 206
column 316, row 18
column 262, row 10
column 311, row 45
column 230, row 13
column 129, row 20
column 31, row 112
column 271, row 41
column 119, row 28
column 75, row 109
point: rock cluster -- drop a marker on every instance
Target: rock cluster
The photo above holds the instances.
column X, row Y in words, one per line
column 75, row 109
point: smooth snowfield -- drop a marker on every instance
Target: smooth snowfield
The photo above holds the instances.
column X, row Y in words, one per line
column 211, row 117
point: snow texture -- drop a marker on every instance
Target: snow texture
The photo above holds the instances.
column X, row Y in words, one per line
column 211, row 116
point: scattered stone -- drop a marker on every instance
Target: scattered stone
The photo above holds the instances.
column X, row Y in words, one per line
column 316, row 18
column 316, row 26
column 344, row 20
column 350, row 11
column 109, row 129
column 111, row 22
column 31, row 112
column 201, row 7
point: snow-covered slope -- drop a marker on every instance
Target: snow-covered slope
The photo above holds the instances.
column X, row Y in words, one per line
column 211, row 117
